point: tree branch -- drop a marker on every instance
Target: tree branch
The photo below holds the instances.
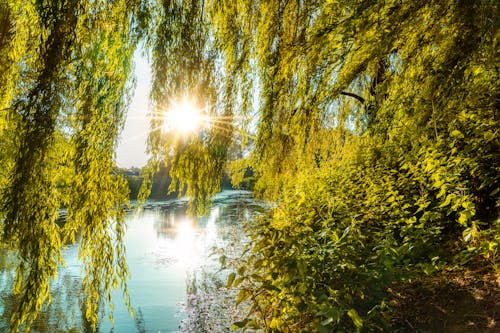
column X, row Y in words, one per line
column 359, row 98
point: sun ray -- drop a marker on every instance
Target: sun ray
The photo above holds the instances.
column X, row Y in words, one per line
column 145, row 134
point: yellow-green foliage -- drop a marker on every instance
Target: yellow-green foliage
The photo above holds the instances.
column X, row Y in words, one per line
column 372, row 127
column 65, row 68
column 184, row 66
column 378, row 140
column 374, row 132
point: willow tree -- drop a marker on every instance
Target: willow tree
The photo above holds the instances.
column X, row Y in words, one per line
column 185, row 65
column 374, row 124
column 377, row 131
column 66, row 65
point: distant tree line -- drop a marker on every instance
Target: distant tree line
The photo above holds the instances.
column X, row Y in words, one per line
column 162, row 180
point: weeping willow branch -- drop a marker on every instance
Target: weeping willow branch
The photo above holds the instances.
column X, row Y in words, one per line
column 357, row 97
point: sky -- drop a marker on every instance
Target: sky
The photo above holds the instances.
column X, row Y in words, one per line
column 131, row 149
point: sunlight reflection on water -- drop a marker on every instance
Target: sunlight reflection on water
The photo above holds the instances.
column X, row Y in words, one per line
column 180, row 240
column 163, row 244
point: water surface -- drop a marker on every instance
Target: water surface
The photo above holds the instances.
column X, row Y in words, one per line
column 163, row 246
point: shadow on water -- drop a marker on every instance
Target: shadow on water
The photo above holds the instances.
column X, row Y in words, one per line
column 64, row 314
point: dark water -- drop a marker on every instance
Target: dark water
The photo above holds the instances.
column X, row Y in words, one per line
column 163, row 247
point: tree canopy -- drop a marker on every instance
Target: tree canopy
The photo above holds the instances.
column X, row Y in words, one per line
column 376, row 133
column 372, row 125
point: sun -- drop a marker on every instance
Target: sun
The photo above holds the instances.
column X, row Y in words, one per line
column 183, row 117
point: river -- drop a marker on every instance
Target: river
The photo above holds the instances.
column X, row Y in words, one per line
column 164, row 246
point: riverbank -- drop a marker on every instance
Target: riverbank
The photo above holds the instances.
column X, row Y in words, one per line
column 452, row 301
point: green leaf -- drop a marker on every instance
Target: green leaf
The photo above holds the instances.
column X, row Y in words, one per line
column 457, row 134
column 238, row 281
column 271, row 287
column 322, row 329
column 447, row 201
column 327, row 321
column 242, row 295
column 230, row 280
column 240, row 324
column 356, row 319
